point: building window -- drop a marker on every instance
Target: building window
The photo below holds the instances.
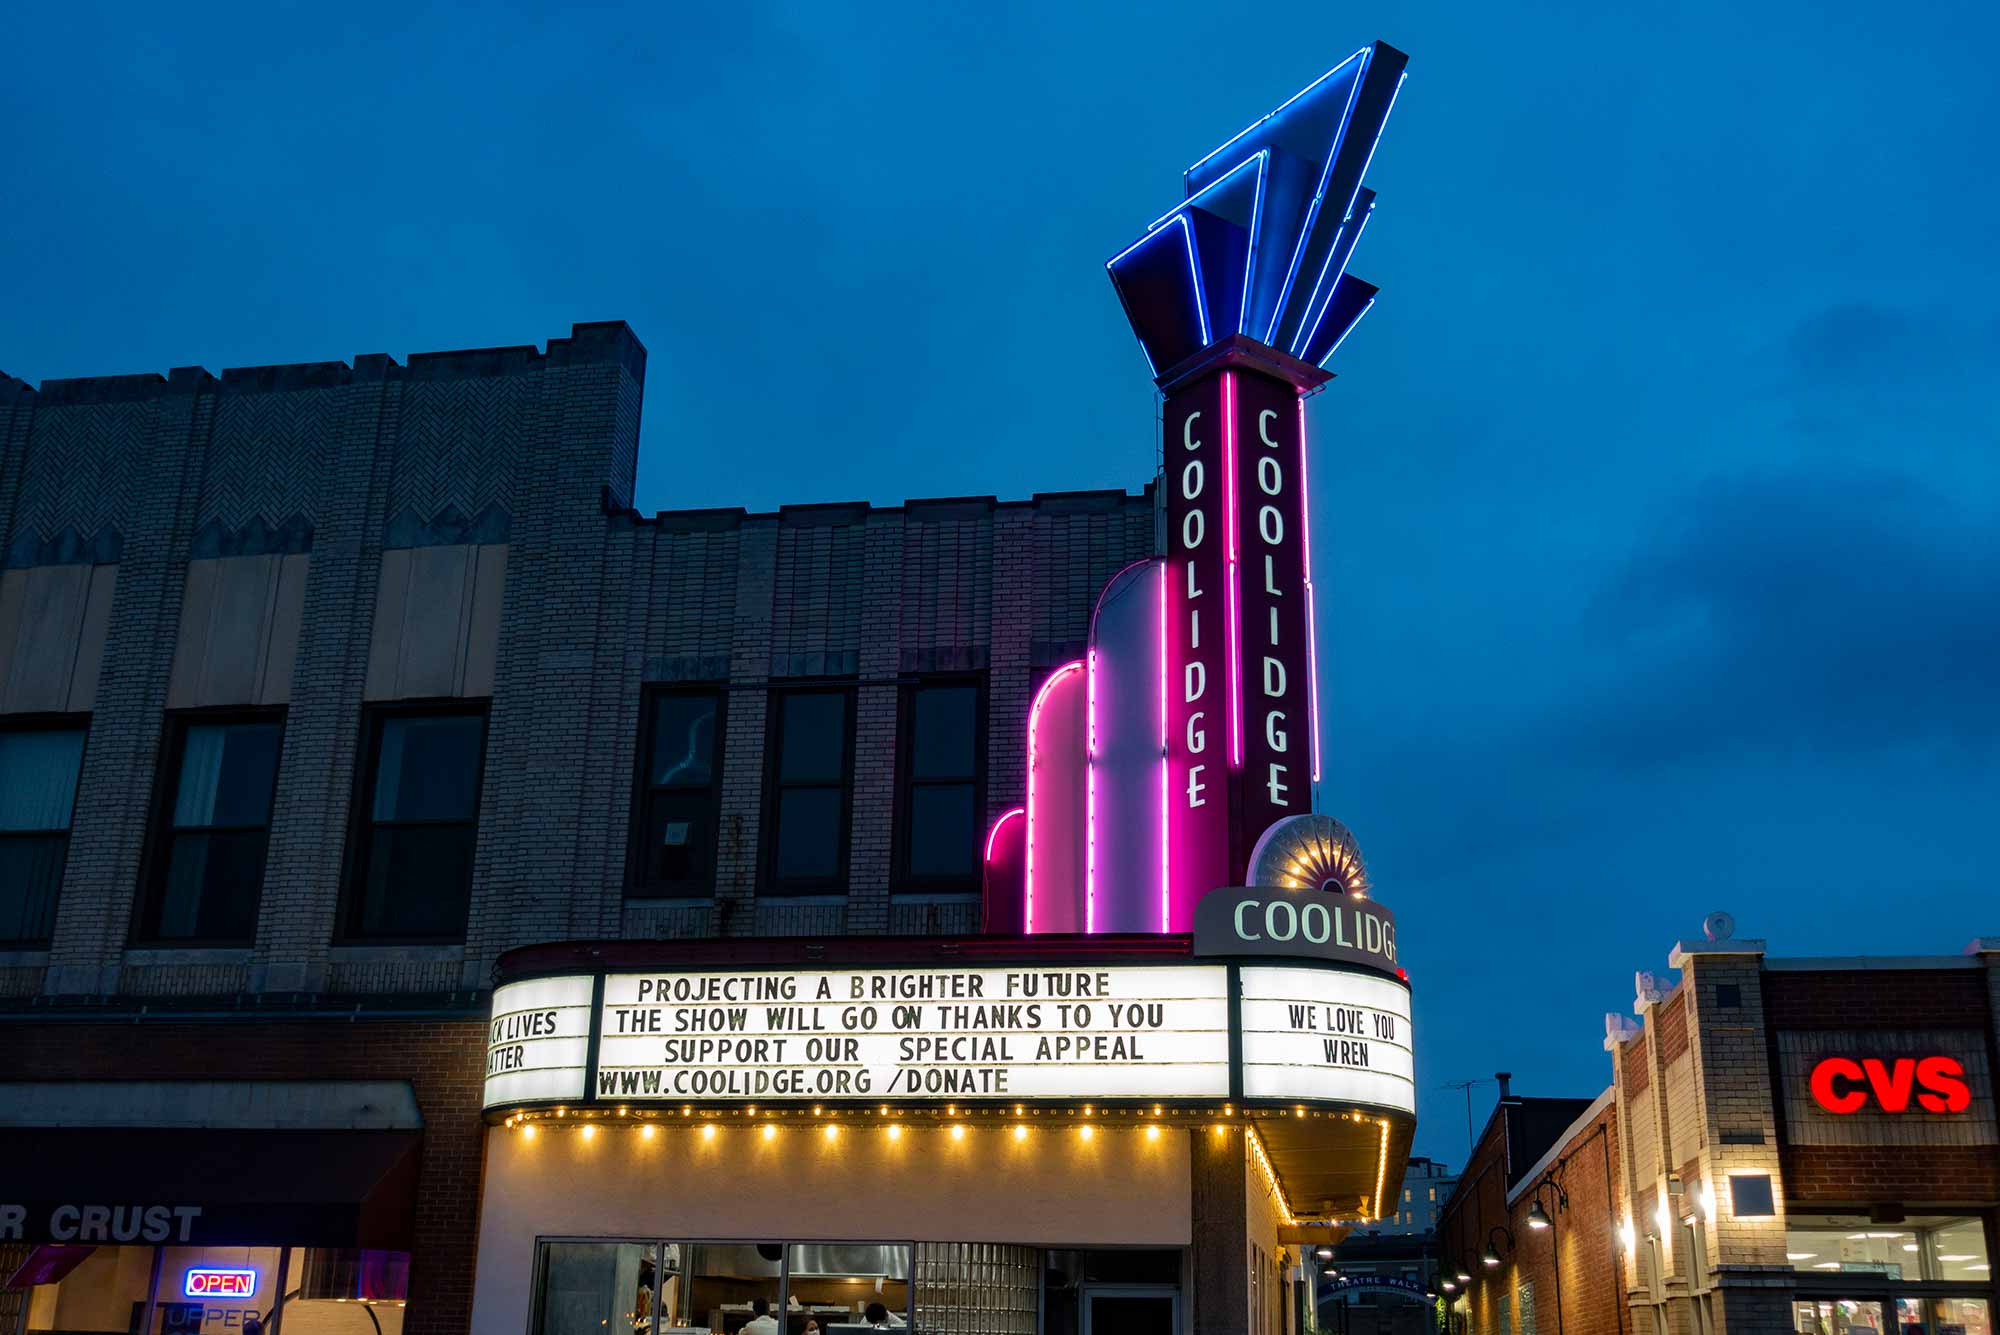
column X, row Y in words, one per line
column 97, row 1287
column 207, row 868
column 586, row 1287
column 419, row 818
column 680, row 794
column 939, row 805
column 1928, row 1248
column 38, row 773
column 812, row 736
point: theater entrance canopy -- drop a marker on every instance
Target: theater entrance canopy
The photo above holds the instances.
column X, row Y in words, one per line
column 1306, row 1055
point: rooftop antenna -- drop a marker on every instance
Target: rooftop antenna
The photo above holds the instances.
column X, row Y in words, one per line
column 1467, row 1085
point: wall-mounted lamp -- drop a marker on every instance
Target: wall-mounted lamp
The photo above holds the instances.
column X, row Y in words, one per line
column 1491, row 1256
column 1538, row 1214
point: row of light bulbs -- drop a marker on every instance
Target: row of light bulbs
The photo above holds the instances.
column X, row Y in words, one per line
column 648, row 1125
column 688, row 1110
column 831, row 1130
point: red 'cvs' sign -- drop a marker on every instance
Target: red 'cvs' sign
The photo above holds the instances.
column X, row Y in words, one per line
column 1845, row 1085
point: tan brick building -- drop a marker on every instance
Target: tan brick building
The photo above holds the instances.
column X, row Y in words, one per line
column 1802, row 1145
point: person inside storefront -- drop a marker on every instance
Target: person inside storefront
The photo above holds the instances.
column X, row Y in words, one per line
column 761, row 1321
column 811, row 1327
column 881, row 1317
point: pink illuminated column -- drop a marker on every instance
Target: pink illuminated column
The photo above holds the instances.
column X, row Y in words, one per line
column 1127, row 748
column 1054, row 893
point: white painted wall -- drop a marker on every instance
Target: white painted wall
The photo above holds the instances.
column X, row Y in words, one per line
column 1053, row 1189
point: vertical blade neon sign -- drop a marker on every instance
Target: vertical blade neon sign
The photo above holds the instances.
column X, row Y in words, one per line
column 1199, row 664
column 1272, row 635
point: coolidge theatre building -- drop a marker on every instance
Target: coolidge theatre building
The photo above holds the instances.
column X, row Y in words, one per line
column 436, row 898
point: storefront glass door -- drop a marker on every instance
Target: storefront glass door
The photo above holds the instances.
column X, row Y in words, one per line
column 1838, row 1316
column 1130, row 1311
column 1944, row 1316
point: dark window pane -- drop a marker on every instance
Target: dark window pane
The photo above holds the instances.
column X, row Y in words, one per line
column 429, row 768
column 944, row 836
column 683, row 740
column 814, row 738
column 31, row 868
column 809, row 834
column 227, row 773
column 680, row 843
column 944, row 722
column 418, row 881
column 38, row 772
column 211, row 885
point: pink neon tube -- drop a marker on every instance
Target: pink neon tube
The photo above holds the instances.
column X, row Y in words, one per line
column 1229, row 555
column 1034, row 716
column 1312, row 629
column 1166, row 903
column 994, row 833
column 1090, row 796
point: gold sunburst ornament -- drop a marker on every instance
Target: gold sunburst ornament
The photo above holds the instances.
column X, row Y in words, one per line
column 1311, row 852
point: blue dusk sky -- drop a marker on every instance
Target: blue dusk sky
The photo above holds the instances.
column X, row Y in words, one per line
column 1656, row 502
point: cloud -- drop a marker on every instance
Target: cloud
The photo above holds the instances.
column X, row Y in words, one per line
column 1834, row 611
column 1865, row 345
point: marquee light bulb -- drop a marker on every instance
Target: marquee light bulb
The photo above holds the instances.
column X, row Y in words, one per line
column 687, row 1110
column 527, row 1133
column 884, row 1110
column 562, row 1112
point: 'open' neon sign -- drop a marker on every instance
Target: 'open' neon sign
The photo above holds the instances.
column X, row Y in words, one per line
column 205, row 1283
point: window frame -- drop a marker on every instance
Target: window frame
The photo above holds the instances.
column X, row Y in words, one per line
column 768, row 883
column 901, row 878
column 639, row 884
column 659, row 1242
column 156, row 856
column 78, row 721
column 361, row 823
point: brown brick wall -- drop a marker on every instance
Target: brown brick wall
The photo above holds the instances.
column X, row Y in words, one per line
column 1573, row 1269
column 1674, row 1028
column 1831, row 1175
column 1638, row 1071
column 443, row 1059
column 1876, row 999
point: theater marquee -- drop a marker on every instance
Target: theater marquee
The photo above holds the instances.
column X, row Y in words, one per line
column 1207, row 1031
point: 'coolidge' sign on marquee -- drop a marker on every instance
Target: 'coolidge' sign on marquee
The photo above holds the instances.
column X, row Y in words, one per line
column 917, row 1034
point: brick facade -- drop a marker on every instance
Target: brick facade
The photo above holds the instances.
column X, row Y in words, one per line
column 1704, row 1109
column 513, row 459
column 1548, row 1279
column 532, row 453
column 442, row 1058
